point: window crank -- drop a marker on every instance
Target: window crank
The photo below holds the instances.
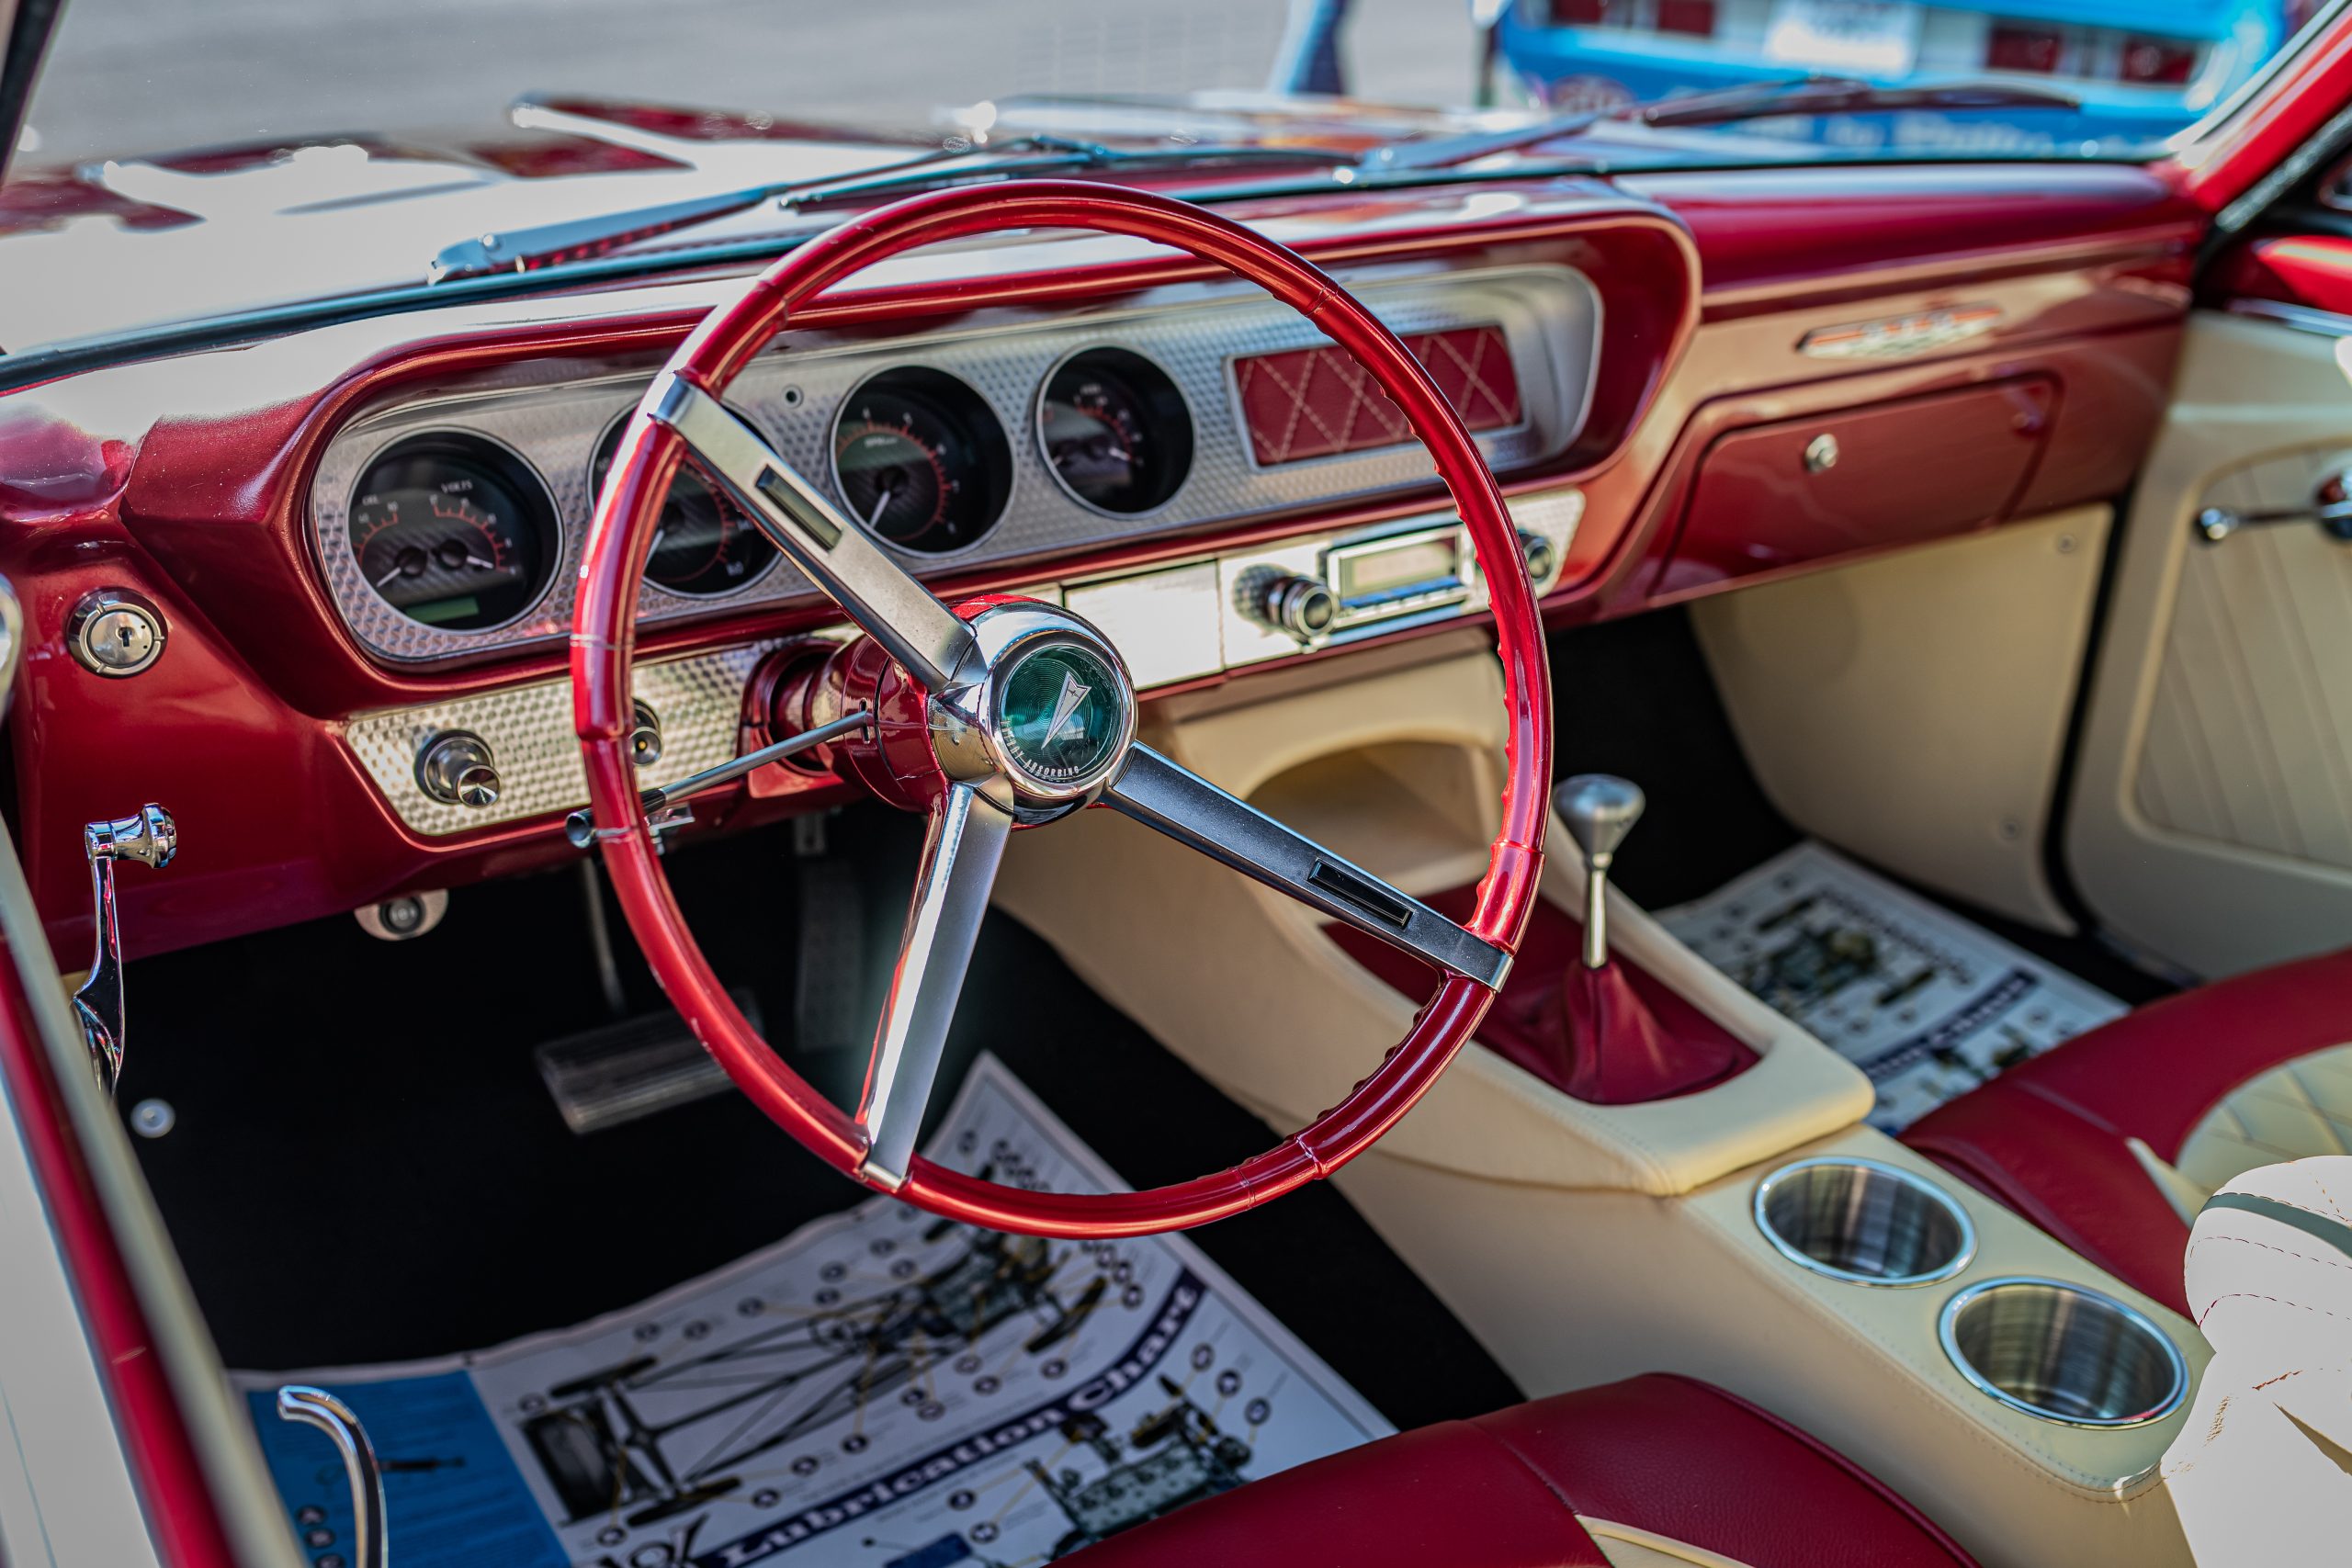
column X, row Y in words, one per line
column 149, row 839
column 2330, row 507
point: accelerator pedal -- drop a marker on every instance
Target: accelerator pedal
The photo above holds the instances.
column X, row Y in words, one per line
column 622, row 1072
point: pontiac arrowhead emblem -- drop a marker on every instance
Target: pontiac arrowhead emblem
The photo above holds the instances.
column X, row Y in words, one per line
column 1073, row 693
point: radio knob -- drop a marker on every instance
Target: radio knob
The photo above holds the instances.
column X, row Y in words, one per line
column 1303, row 607
column 1541, row 559
column 456, row 768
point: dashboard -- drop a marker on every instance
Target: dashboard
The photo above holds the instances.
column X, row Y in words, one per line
column 355, row 548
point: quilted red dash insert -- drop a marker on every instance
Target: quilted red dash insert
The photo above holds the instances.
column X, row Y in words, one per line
column 1317, row 403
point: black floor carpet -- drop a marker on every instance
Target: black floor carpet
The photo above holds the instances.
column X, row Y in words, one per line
column 366, row 1166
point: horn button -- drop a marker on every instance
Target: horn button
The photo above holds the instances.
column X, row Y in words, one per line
column 1039, row 718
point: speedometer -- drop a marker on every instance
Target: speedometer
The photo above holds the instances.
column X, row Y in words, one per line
column 454, row 532
column 704, row 545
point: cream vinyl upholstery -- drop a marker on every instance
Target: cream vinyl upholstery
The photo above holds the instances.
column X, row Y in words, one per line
column 2298, row 1109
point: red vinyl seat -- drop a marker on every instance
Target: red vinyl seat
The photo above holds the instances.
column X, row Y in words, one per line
column 2208, row 1085
column 1541, row 1484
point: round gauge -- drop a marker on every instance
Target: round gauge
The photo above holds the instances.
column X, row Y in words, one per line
column 704, row 545
column 922, row 461
column 1114, row 430
column 453, row 531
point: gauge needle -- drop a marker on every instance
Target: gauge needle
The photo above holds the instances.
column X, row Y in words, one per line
column 397, row 569
column 483, row 565
column 655, row 547
column 881, row 504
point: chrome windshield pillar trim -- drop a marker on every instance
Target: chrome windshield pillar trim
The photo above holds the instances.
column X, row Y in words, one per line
column 149, row 839
column 1171, row 798
column 835, row 553
column 960, row 857
column 315, row 1407
column 2301, row 317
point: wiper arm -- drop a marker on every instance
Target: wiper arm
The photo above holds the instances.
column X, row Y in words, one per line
column 1753, row 100
column 582, row 239
column 1051, row 154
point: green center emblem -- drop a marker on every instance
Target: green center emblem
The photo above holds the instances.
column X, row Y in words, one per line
column 1061, row 713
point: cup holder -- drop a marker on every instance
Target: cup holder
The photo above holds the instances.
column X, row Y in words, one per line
column 1864, row 1221
column 2063, row 1353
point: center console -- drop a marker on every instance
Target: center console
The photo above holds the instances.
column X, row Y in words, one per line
column 1753, row 1232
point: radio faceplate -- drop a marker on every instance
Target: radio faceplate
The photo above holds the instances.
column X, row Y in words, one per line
column 1388, row 574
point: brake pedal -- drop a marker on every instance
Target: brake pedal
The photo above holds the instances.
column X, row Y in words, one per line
column 623, row 1072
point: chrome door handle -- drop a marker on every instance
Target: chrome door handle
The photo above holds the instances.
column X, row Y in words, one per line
column 317, row 1407
column 2330, row 507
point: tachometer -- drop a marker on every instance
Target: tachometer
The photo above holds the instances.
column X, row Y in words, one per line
column 1114, row 430
column 453, row 531
column 704, row 545
column 921, row 459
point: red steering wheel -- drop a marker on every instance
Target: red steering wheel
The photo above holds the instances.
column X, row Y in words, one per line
column 1002, row 713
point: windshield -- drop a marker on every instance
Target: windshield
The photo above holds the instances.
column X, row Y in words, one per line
column 397, row 135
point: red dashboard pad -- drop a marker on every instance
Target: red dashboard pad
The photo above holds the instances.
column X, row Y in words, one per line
column 1317, row 403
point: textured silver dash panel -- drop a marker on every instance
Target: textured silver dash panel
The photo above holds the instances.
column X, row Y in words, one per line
column 698, row 700
column 795, row 392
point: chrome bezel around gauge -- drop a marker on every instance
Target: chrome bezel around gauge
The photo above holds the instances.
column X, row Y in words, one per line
column 653, row 584
column 987, row 427
column 532, row 489
column 1174, row 390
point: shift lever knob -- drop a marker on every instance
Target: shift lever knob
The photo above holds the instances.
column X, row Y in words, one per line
column 1599, row 810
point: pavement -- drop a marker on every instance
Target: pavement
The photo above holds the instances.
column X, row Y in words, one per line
column 128, row 76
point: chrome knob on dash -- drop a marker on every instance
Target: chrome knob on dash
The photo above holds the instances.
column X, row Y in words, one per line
column 1303, row 606
column 457, row 767
column 1541, row 559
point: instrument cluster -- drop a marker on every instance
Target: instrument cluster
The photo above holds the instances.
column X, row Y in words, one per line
column 452, row 526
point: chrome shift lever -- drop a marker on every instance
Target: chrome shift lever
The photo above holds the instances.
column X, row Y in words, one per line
column 149, row 839
column 1599, row 810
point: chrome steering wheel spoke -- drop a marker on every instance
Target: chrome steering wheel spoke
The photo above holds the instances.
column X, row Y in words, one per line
column 1178, row 802
column 960, row 861
column 926, row 638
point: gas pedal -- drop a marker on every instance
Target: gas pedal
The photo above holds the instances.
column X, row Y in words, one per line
column 622, row 1072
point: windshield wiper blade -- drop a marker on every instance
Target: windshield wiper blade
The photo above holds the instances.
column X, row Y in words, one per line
column 584, row 239
column 1753, row 100
column 1842, row 94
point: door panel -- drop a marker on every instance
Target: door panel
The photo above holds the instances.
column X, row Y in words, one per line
column 2211, row 820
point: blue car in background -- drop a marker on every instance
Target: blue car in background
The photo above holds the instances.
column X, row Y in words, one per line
column 2138, row 70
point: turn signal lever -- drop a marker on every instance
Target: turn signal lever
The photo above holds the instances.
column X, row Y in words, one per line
column 149, row 839
column 1599, row 810
column 581, row 826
